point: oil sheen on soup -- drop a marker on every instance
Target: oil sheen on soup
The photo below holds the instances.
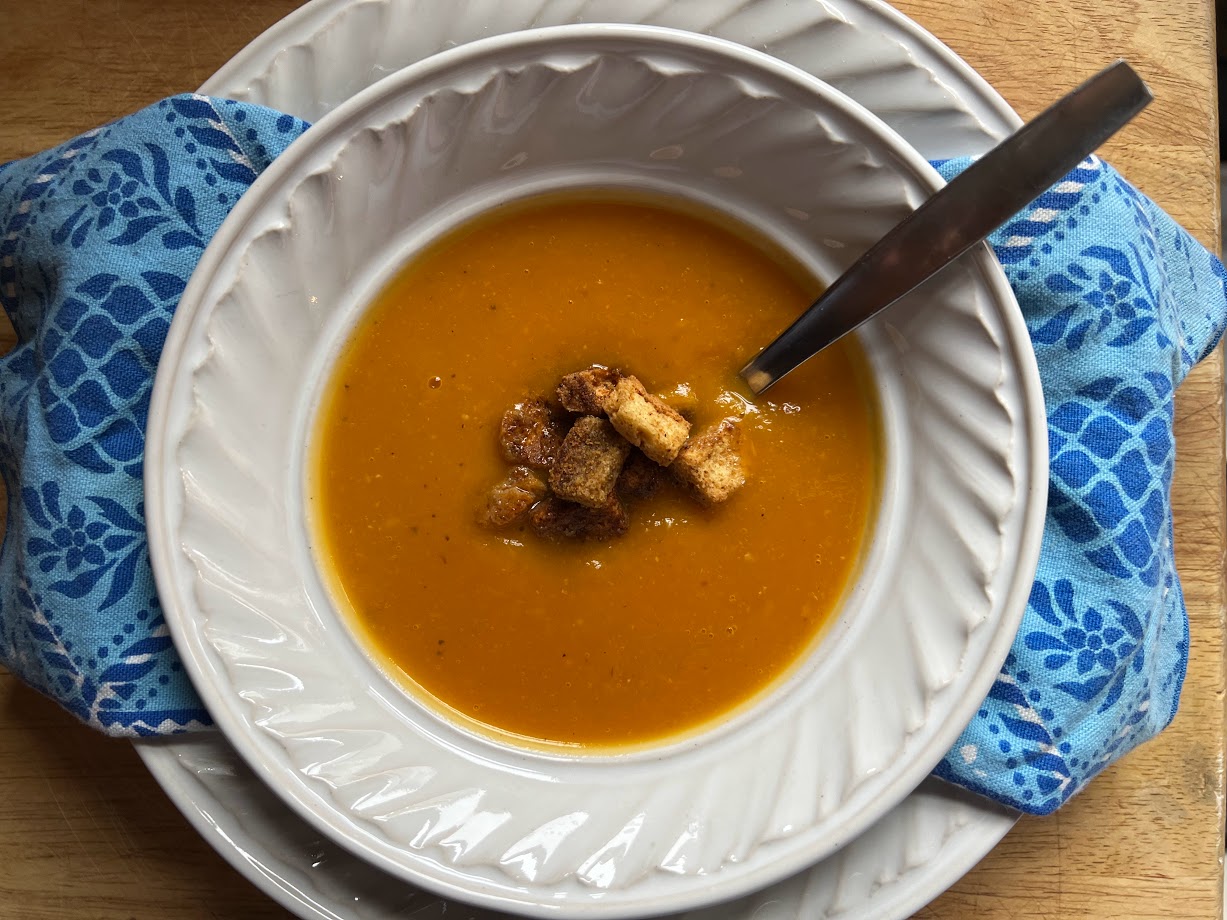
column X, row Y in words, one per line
column 694, row 611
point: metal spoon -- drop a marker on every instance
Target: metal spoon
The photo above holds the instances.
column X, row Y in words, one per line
column 970, row 207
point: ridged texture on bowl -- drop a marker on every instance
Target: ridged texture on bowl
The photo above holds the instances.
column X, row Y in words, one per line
column 787, row 787
column 905, row 83
column 919, row 843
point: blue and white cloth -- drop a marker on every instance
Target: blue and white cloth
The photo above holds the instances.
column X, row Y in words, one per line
column 97, row 240
column 99, row 236
column 1120, row 303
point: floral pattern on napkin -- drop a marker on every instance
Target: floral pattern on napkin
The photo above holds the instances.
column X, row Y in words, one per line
column 98, row 238
column 1120, row 303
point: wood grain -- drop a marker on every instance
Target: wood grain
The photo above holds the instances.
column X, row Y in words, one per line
column 86, row 833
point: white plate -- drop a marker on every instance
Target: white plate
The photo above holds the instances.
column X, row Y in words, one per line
column 892, row 870
column 918, row 640
column 878, row 49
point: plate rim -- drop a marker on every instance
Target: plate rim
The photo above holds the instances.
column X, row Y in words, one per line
column 963, row 848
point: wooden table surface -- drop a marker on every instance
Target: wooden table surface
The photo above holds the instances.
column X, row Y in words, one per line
column 85, row 832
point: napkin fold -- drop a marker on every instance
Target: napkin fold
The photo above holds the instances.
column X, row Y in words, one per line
column 99, row 236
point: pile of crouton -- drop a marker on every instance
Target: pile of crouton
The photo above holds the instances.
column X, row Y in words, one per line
column 604, row 443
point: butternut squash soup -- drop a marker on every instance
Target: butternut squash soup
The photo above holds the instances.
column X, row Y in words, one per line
column 696, row 605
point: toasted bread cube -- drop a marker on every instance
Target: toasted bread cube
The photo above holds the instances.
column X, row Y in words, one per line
column 556, row 519
column 639, row 479
column 710, row 464
column 510, row 499
column 531, row 433
column 588, row 462
column 587, row 391
column 645, row 421
column 682, row 400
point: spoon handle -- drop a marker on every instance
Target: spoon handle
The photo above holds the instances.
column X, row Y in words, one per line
column 970, row 207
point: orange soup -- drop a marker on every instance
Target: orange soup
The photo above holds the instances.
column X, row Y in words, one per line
column 695, row 610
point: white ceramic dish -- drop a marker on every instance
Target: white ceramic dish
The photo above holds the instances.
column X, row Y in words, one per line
column 921, row 638
column 330, row 50
column 886, row 62
column 887, row 873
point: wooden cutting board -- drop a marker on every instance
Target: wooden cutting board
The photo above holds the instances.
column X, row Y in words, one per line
column 86, row 834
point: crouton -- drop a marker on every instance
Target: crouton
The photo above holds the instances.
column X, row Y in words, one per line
column 510, row 499
column 586, row 391
column 555, row 519
column 639, row 479
column 645, row 421
column 531, row 433
column 710, row 464
column 588, row 462
column 682, row 400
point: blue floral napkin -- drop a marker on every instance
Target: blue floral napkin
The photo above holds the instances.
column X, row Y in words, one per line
column 99, row 236
column 97, row 240
column 1121, row 303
